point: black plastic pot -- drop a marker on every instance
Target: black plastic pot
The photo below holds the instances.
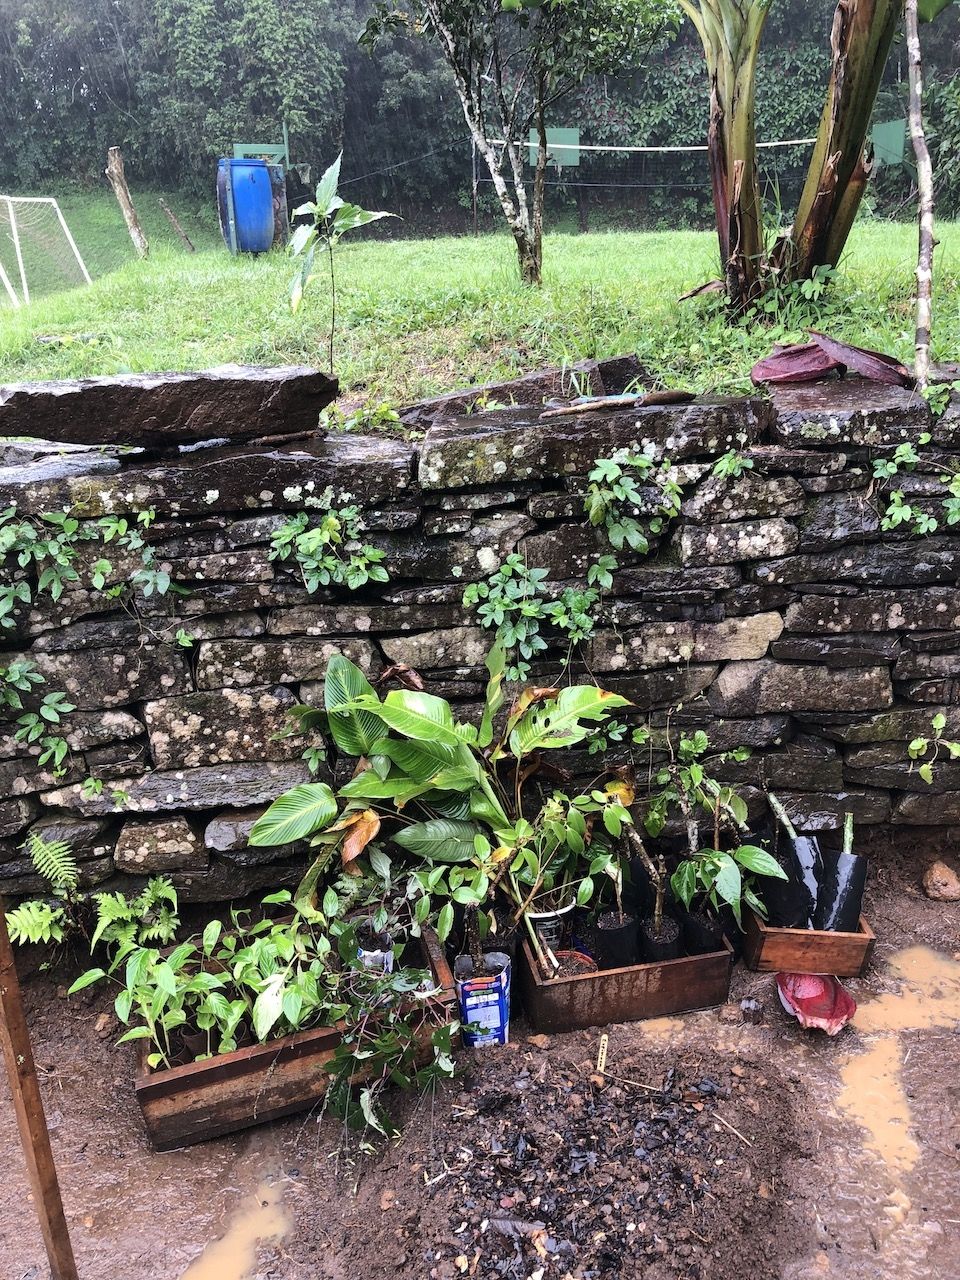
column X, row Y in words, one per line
column 791, row 903
column 664, row 945
column 615, row 940
column 702, row 933
column 840, row 900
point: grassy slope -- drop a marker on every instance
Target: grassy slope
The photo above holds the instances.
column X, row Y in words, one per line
column 419, row 316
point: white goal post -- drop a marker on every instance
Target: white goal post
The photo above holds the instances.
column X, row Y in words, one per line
column 11, row 206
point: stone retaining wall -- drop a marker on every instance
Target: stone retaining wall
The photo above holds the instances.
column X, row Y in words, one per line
column 774, row 609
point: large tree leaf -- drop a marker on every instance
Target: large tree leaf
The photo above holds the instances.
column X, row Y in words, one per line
column 418, row 760
column 416, row 715
column 297, row 813
column 873, row 365
column 560, row 724
column 440, row 839
column 801, row 362
column 354, row 731
column 327, row 201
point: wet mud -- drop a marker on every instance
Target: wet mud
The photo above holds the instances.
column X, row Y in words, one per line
column 839, row 1158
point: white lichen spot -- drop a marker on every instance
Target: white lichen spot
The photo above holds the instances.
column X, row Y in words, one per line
column 211, row 496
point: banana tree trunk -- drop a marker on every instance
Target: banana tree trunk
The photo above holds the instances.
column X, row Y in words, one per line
column 730, row 33
column 863, row 32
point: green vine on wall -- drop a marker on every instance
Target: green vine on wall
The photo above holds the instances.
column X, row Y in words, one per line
column 39, row 556
column 330, row 552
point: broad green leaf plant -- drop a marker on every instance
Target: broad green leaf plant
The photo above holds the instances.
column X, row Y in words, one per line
column 453, row 795
column 332, row 217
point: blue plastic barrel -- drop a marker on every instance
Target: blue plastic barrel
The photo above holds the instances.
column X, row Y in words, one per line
column 245, row 203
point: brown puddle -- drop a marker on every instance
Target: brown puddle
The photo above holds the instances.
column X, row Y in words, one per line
column 234, row 1255
column 873, row 1093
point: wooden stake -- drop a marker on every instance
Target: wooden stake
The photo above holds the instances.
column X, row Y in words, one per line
column 118, row 181
column 175, row 223
column 921, row 366
column 28, row 1105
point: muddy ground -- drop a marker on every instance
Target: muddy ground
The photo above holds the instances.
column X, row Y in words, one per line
column 716, row 1150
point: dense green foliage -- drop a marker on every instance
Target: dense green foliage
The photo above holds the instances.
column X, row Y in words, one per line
column 176, row 82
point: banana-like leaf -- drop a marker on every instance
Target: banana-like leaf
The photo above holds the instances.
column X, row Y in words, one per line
column 414, row 715
column 440, row 839
column 559, row 724
column 294, row 815
column 354, row 731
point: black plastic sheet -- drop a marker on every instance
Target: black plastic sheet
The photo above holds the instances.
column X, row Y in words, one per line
column 840, row 899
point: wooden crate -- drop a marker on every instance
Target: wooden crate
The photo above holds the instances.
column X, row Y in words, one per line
column 623, row 995
column 232, row 1091
column 772, row 950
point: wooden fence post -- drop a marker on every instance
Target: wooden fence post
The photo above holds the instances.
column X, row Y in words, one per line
column 118, row 181
column 28, row 1105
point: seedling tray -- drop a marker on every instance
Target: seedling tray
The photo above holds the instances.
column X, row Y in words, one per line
column 184, row 1105
column 623, row 995
column 772, row 950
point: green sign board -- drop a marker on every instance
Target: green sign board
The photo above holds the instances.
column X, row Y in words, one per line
column 889, row 142
column 563, row 147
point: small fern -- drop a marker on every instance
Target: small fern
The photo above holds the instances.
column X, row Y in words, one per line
column 35, row 922
column 53, row 861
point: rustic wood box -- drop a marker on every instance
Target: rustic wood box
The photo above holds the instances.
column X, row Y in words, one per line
column 261, row 1082
column 772, row 950
column 623, row 995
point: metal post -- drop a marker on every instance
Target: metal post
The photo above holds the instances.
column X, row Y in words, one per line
column 28, row 1105
column 15, row 234
column 5, row 281
column 72, row 243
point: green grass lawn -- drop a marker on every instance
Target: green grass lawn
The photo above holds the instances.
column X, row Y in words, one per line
column 418, row 316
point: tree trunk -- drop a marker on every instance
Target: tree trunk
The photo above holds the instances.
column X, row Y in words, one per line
column 539, row 187
column 730, row 35
column 118, row 181
column 925, row 199
column 863, row 31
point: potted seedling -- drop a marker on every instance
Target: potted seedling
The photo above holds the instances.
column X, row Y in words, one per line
column 296, row 984
column 449, row 796
column 816, row 923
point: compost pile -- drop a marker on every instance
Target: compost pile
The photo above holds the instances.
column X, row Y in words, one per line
column 550, row 1170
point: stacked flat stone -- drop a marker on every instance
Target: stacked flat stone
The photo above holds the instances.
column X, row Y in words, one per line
column 773, row 608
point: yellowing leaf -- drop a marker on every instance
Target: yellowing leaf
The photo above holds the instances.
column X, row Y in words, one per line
column 361, row 832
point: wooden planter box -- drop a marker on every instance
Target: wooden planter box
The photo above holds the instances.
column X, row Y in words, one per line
column 261, row 1082
column 623, row 995
column 771, row 950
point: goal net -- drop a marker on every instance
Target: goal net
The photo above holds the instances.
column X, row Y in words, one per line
column 38, row 254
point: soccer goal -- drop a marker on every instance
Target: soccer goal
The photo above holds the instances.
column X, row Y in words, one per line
column 38, row 254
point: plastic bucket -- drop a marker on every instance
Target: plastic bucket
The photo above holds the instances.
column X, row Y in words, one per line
column 550, row 925
column 484, row 1001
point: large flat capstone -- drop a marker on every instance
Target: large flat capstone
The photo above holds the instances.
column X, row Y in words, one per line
column 231, row 401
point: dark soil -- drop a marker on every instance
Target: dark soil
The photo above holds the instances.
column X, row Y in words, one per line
column 573, row 963
column 664, row 945
column 547, row 1168
column 530, row 1164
